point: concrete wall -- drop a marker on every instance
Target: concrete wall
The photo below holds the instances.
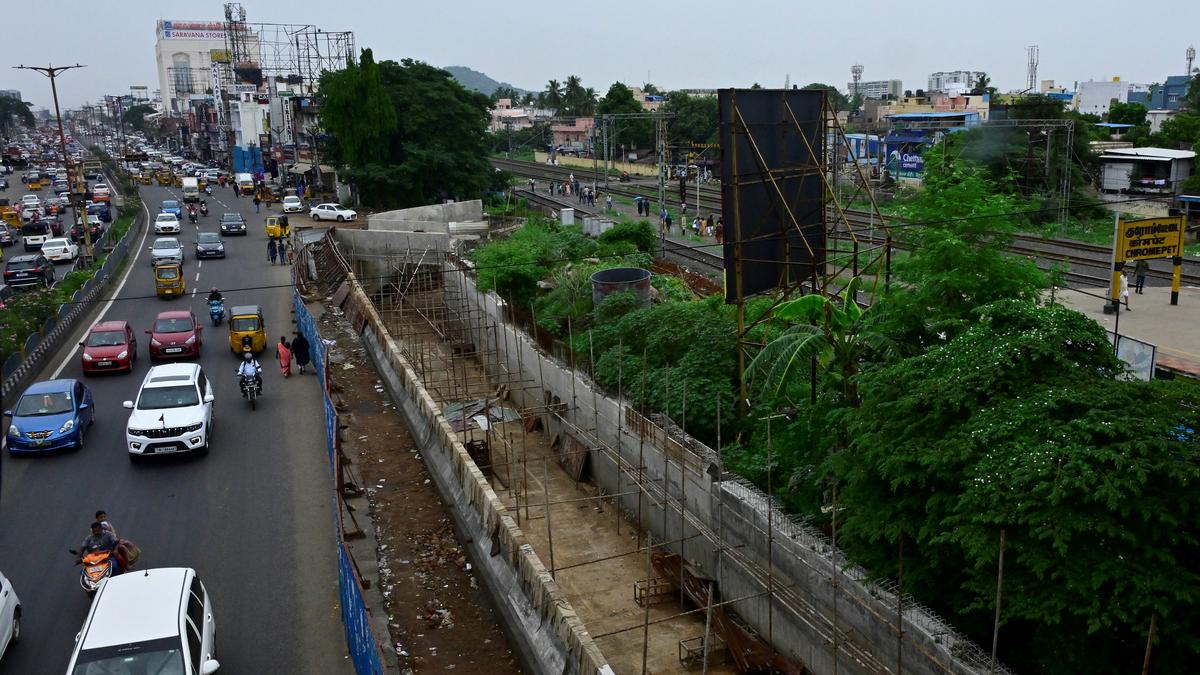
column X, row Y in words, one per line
column 376, row 256
column 798, row 616
column 544, row 628
column 426, row 218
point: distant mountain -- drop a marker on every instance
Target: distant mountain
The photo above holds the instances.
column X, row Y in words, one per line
column 477, row 81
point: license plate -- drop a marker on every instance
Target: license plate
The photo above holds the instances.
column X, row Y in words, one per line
column 104, row 363
column 22, row 274
column 173, row 350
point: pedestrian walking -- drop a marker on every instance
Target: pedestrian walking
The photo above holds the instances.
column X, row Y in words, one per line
column 719, row 232
column 607, row 203
column 284, row 353
column 257, row 201
column 1125, row 290
column 272, row 250
column 300, row 352
column 708, row 227
column 1140, row 268
column 667, row 222
column 237, row 191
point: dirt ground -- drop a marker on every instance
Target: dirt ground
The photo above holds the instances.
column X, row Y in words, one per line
column 439, row 617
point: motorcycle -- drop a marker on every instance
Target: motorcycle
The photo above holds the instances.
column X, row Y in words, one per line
column 250, row 388
column 216, row 311
column 192, row 216
column 204, row 209
column 97, row 566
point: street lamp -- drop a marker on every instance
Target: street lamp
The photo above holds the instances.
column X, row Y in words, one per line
column 80, row 187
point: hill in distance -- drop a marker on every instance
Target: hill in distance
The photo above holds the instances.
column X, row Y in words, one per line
column 477, row 81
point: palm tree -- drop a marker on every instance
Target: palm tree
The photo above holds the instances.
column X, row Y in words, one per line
column 836, row 331
column 554, row 95
column 11, row 107
column 573, row 94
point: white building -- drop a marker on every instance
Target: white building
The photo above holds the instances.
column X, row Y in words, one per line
column 183, row 53
column 954, row 82
column 1095, row 96
column 877, row 89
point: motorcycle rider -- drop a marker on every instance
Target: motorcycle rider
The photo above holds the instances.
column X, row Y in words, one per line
column 203, row 208
column 192, row 212
column 215, row 295
column 100, row 540
column 249, row 366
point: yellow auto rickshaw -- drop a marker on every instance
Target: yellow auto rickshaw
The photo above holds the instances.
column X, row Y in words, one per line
column 143, row 178
column 246, row 328
column 9, row 215
column 277, row 226
column 168, row 280
column 178, row 180
column 164, row 178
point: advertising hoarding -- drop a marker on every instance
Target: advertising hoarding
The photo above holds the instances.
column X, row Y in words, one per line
column 191, row 30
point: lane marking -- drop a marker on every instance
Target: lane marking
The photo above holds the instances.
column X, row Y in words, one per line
column 70, row 355
column 197, row 277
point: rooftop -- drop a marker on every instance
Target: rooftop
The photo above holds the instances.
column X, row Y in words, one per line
column 1148, row 153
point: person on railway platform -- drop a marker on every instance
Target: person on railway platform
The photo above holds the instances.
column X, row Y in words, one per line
column 1125, row 290
column 1140, row 268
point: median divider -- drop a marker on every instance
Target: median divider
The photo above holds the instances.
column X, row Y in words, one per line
column 20, row 370
column 356, row 617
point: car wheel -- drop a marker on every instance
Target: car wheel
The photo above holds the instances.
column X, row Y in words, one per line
column 341, row 219
column 314, row 217
column 79, row 444
column 15, row 636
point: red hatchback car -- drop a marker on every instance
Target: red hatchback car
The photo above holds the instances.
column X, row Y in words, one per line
column 176, row 334
column 109, row 346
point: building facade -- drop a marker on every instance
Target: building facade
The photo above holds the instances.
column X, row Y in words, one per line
column 183, row 54
column 11, row 93
column 876, row 89
column 1170, row 94
column 954, row 81
column 1095, row 96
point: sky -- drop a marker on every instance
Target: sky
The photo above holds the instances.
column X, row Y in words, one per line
column 693, row 44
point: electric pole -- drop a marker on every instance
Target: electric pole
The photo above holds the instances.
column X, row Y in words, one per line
column 80, row 187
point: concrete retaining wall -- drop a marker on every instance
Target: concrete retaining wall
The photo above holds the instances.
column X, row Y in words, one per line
column 544, row 628
column 798, row 615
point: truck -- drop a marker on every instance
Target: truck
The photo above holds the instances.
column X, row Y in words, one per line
column 245, row 183
column 92, row 169
column 191, row 190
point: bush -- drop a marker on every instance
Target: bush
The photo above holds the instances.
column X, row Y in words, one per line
column 639, row 233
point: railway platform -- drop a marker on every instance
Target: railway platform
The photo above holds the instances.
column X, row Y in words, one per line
column 1151, row 318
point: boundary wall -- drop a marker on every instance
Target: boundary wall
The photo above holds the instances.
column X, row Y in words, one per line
column 544, row 628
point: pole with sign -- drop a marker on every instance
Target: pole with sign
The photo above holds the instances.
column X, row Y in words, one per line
column 1148, row 239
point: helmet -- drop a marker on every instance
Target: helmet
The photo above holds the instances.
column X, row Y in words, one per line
column 248, row 356
column 214, row 289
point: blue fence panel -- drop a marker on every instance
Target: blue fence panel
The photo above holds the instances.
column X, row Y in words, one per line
column 63, row 309
column 31, row 343
column 49, row 326
column 11, row 364
column 360, row 640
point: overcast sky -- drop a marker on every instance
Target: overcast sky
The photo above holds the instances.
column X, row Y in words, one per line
column 699, row 43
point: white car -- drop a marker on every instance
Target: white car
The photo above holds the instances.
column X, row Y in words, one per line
column 166, row 250
column 332, row 212
column 166, row 223
column 60, row 249
column 173, row 412
column 292, row 204
column 10, row 616
column 31, row 201
column 153, row 621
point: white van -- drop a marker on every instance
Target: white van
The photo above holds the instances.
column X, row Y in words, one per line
column 148, row 621
column 191, row 189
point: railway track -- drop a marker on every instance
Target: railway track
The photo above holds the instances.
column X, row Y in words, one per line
column 1086, row 263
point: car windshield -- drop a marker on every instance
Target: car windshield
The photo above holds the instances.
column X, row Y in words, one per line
column 177, row 325
column 106, row 338
column 124, row 660
column 167, row 273
column 177, row 396
column 55, row 243
column 244, row 323
column 166, row 244
column 166, row 216
column 35, row 405
column 209, row 238
column 20, row 264
column 170, row 204
column 231, row 218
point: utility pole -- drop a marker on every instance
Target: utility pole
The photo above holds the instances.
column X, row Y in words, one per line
column 80, row 187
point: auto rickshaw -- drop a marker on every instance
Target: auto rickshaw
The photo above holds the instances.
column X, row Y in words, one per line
column 164, row 178
column 277, row 226
column 169, row 281
column 177, row 180
column 143, row 178
column 246, row 328
column 9, row 215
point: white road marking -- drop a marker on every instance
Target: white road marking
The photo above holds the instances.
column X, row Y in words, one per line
column 70, row 355
column 197, row 276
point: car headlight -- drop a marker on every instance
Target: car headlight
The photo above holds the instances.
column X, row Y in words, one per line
column 87, row 356
column 14, row 431
column 155, row 342
column 67, row 426
column 123, row 354
column 193, row 427
column 191, row 340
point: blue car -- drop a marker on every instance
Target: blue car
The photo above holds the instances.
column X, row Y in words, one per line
column 50, row 415
column 172, row 206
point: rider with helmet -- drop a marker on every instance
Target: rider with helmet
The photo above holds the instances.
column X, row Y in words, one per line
column 249, row 366
column 215, row 295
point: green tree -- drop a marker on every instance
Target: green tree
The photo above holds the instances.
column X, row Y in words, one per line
column 1017, row 424
column 12, row 110
column 620, row 100
column 356, row 109
column 695, row 118
column 1191, row 100
column 1179, row 131
column 1127, row 113
column 983, row 86
column 836, row 98
column 839, row 333
column 135, row 117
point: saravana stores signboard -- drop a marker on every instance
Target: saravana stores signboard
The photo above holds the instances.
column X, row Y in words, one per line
column 191, row 30
column 1147, row 239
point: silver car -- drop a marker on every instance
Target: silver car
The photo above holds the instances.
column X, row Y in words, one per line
column 166, row 250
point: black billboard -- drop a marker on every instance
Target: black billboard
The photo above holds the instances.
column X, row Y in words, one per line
column 772, row 194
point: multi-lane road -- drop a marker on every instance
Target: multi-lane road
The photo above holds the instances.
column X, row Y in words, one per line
column 254, row 517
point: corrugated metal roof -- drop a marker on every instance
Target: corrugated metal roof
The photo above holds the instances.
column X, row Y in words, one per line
column 1151, row 153
column 1113, row 125
column 927, row 115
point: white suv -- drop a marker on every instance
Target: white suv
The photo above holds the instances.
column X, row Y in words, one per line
column 173, row 412
column 152, row 621
column 166, row 223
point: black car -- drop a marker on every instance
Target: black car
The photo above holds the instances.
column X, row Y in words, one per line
column 209, row 245
column 29, row 270
column 233, row 223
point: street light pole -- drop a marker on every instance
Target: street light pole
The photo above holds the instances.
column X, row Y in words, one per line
column 80, row 187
